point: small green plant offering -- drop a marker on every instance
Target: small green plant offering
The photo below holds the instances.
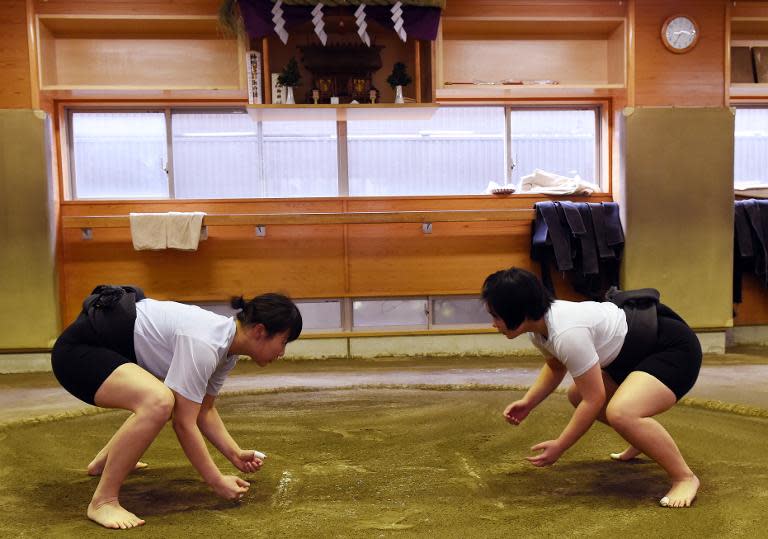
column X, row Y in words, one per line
column 399, row 77
column 290, row 76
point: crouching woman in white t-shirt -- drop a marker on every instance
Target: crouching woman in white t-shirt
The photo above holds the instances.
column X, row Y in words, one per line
column 180, row 356
column 586, row 339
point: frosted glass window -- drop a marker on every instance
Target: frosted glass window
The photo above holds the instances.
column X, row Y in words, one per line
column 750, row 158
column 371, row 313
column 320, row 314
column 456, row 152
column 323, row 314
column 119, row 155
column 561, row 141
column 300, row 159
column 216, row 155
column 452, row 311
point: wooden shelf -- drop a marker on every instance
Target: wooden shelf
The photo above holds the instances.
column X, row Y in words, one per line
column 471, row 91
column 583, row 55
column 381, row 111
column 131, row 53
column 746, row 89
column 749, row 32
column 749, row 28
column 530, row 27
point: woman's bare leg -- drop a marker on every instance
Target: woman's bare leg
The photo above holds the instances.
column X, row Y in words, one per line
column 132, row 388
column 97, row 464
column 610, row 388
column 630, row 412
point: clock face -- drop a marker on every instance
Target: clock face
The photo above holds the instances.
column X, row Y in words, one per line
column 679, row 33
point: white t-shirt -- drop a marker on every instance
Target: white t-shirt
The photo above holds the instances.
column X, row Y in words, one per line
column 582, row 334
column 185, row 346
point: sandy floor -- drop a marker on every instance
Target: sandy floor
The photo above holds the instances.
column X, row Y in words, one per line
column 394, row 463
column 739, row 377
column 394, row 447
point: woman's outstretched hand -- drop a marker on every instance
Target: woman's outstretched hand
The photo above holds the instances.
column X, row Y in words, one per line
column 517, row 411
column 550, row 452
column 247, row 461
column 231, row 487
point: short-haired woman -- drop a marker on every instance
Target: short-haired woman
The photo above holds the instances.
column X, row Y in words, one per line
column 174, row 365
column 611, row 384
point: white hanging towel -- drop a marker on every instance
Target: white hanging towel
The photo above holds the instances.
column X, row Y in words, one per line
column 148, row 231
column 184, row 230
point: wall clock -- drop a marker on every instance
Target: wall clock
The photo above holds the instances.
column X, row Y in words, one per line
column 679, row 33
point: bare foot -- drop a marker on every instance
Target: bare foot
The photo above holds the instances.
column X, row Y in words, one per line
column 111, row 514
column 628, row 454
column 97, row 466
column 682, row 493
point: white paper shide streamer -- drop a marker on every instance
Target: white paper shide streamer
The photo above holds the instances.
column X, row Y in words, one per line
column 317, row 20
column 362, row 25
column 397, row 18
column 277, row 18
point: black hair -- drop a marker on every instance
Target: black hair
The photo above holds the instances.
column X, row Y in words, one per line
column 515, row 294
column 277, row 312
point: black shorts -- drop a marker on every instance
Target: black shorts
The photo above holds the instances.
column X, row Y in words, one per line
column 675, row 359
column 81, row 362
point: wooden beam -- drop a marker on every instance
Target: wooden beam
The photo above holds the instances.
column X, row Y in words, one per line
column 336, row 218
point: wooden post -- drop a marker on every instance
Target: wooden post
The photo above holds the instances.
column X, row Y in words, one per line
column 267, row 73
column 417, row 69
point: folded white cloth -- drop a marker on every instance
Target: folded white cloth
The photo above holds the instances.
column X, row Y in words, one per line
column 148, row 231
column 174, row 230
column 550, row 183
column 183, row 230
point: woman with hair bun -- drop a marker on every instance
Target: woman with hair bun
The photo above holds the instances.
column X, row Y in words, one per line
column 164, row 360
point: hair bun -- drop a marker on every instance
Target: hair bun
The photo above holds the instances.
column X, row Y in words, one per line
column 237, row 302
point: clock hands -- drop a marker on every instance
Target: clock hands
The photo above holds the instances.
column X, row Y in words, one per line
column 679, row 34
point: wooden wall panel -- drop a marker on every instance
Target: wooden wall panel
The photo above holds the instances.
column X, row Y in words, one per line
column 693, row 79
column 16, row 88
column 302, row 261
column 321, row 261
column 128, row 7
column 305, row 261
column 535, row 8
column 454, row 259
column 754, row 309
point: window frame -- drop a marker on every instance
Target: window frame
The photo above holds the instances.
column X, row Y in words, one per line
column 601, row 147
column 746, row 104
column 603, row 141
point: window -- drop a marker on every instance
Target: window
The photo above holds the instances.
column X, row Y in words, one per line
column 119, row 155
column 750, row 158
column 300, row 159
column 372, row 313
column 555, row 140
column 387, row 314
column 316, row 315
column 450, row 311
column 215, row 154
column 321, row 314
column 223, row 153
column 456, row 152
